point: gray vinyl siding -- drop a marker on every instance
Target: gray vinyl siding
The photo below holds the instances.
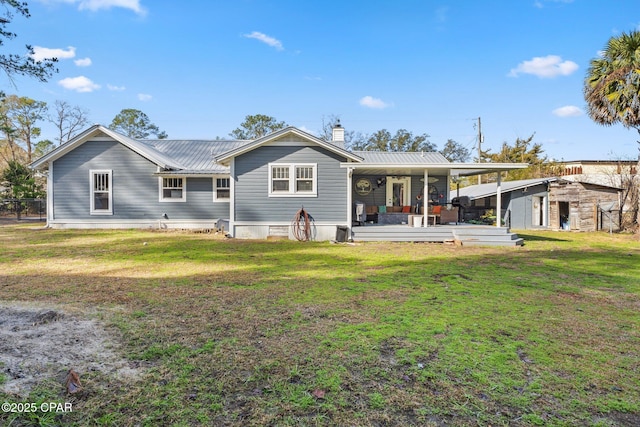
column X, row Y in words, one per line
column 417, row 187
column 252, row 201
column 135, row 188
column 520, row 205
column 377, row 196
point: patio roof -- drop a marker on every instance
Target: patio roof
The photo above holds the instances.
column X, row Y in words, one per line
column 415, row 168
column 489, row 189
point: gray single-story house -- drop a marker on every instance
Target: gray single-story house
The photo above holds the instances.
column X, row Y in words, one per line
column 103, row 179
column 546, row 203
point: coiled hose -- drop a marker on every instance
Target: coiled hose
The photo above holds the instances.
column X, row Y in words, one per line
column 302, row 225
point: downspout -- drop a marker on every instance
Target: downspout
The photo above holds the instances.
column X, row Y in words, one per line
column 499, row 201
column 50, row 216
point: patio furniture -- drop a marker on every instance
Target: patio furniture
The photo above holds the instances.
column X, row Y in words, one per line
column 372, row 214
column 434, row 212
column 448, row 215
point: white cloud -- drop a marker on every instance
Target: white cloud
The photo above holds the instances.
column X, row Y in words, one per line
column 144, row 97
column 568, row 111
column 79, row 84
column 84, row 62
column 114, row 88
column 545, row 67
column 371, row 102
column 540, row 4
column 275, row 43
column 41, row 53
column 95, row 5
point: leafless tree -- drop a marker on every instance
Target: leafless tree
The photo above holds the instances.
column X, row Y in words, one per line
column 626, row 177
column 69, row 120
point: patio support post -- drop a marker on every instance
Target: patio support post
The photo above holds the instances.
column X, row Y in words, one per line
column 232, row 199
column 349, row 201
column 498, row 200
column 425, row 199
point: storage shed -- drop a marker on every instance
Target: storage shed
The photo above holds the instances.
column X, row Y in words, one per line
column 581, row 206
column 547, row 203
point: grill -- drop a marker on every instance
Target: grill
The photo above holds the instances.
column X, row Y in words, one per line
column 461, row 202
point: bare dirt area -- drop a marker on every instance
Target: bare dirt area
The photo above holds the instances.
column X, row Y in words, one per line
column 39, row 343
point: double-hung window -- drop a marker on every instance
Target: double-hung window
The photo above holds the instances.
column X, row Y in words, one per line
column 287, row 179
column 221, row 189
column 101, row 192
column 172, row 189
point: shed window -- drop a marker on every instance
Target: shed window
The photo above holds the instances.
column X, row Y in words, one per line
column 287, row 180
column 172, row 189
column 101, row 192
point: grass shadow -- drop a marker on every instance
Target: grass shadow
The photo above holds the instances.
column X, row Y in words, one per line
column 538, row 237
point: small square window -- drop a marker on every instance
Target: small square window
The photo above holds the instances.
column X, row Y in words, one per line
column 172, row 189
column 222, row 189
column 279, row 179
column 304, row 179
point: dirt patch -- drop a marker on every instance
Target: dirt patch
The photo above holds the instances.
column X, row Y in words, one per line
column 40, row 343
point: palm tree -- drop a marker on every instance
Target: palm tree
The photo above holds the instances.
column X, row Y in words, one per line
column 612, row 85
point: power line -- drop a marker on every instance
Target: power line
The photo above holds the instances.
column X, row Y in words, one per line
column 479, row 147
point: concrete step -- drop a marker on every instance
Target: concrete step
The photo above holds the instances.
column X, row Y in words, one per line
column 492, row 242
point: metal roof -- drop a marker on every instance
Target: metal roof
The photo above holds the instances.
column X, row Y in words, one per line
column 195, row 156
column 486, row 190
column 199, row 157
column 407, row 158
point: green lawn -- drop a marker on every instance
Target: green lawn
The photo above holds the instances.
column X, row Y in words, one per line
column 283, row 333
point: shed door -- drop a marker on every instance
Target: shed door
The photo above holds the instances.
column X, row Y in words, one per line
column 574, row 215
column 539, row 214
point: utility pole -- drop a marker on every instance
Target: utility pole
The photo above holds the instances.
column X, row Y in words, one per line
column 479, row 147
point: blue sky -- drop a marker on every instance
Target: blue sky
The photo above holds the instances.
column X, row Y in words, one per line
column 198, row 67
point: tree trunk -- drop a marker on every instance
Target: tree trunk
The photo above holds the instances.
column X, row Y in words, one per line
column 636, row 184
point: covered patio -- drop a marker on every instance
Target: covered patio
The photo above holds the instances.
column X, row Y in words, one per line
column 405, row 197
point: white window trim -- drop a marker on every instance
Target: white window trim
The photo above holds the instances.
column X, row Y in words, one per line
column 215, row 189
column 92, row 209
column 292, row 180
column 172, row 200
